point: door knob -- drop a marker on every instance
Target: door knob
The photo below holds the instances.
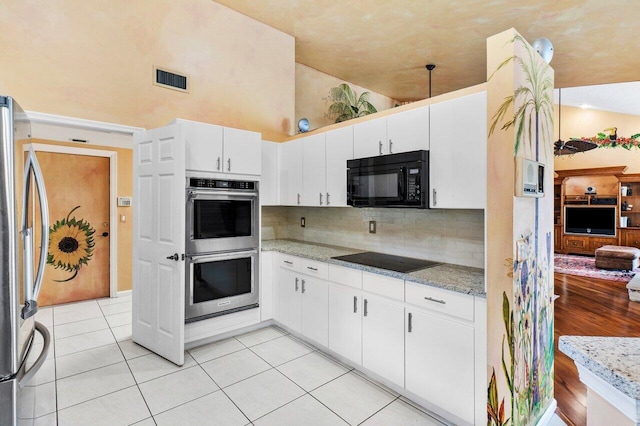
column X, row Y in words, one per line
column 174, row 257
column 105, row 234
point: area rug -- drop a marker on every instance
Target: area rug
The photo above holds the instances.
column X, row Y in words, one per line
column 585, row 266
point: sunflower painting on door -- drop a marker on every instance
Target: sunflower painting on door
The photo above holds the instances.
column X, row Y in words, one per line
column 70, row 244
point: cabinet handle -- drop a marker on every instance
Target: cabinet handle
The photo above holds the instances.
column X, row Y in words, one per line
column 218, row 164
column 298, row 198
column 303, row 286
column 229, row 165
column 410, row 323
column 430, row 299
column 435, row 193
column 366, row 304
column 355, row 304
column 390, row 146
column 380, row 147
column 288, row 262
column 321, row 198
column 297, row 284
column 312, row 268
column 328, row 198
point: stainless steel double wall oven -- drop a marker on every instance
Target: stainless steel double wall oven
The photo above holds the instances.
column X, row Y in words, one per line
column 222, row 247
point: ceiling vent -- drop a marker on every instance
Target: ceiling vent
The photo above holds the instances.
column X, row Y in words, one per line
column 170, row 79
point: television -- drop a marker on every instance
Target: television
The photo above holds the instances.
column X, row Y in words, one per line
column 590, row 220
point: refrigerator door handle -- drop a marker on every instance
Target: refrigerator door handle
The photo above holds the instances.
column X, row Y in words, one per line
column 28, row 375
column 32, row 288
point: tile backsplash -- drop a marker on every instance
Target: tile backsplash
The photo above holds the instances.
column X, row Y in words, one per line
column 452, row 236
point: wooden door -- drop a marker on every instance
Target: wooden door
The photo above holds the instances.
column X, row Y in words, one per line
column 159, row 241
column 78, row 253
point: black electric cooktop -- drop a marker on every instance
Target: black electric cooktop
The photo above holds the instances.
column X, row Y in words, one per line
column 388, row 261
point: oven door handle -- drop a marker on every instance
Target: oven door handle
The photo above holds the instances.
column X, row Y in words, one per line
column 223, row 255
column 214, row 193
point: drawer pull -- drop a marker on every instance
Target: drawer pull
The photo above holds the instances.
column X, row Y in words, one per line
column 430, row 299
column 288, row 262
column 312, row 268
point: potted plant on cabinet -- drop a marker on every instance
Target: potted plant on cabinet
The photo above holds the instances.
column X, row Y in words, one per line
column 347, row 105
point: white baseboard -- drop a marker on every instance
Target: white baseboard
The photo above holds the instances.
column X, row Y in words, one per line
column 548, row 414
column 124, row 293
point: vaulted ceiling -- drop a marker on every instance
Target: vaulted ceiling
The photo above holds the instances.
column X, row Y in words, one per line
column 384, row 45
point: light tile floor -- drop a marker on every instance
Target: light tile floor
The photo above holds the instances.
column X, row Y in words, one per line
column 96, row 375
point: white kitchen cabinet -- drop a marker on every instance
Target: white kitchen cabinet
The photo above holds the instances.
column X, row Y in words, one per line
column 370, row 138
column 269, row 187
column 345, row 322
column 314, row 171
column 288, row 299
column 439, row 362
column 383, row 338
column 217, row 149
column 408, row 130
column 291, row 173
column 339, row 149
column 266, row 286
column 314, row 314
column 458, row 153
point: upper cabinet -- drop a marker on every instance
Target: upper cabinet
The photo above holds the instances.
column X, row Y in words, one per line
column 269, row 186
column 217, row 149
column 339, row 149
column 314, row 171
column 458, row 153
column 291, row 173
column 401, row 132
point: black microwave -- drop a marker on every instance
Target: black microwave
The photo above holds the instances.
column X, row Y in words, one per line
column 394, row 180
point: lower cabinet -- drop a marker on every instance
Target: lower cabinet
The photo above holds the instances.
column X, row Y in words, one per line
column 383, row 338
column 630, row 237
column 288, row 303
column 439, row 362
column 345, row 322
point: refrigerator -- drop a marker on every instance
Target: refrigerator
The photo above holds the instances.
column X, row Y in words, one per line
column 20, row 273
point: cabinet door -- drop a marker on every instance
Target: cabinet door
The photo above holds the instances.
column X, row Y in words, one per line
column 291, row 173
column 370, row 138
column 266, row 286
column 203, row 146
column 315, row 310
column 408, row 130
column 345, row 322
column 631, row 238
column 383, row 338
column 269, row 175
column 242, row 152
column 313, row 171
column 458, row 153
column 339, row 149
column 439, row 363
column 288, row 299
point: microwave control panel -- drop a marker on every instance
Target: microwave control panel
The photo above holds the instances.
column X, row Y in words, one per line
column 413, row 184
column 222, row 184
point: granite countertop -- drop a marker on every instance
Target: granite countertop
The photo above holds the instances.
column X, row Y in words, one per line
column 461, row 279
column 613, row 359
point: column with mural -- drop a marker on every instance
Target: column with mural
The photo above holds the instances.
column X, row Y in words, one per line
column 519, row 234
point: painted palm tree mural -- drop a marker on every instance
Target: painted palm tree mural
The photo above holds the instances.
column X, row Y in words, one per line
column 527, row 345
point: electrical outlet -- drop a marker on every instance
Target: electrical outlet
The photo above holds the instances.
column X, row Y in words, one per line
column 302, row 222
column 372, row 226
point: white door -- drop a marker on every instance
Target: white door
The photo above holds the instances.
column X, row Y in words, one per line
column 408, row 130
column 291, row 173
column 458, row 163
column 203, row 146
column 345, row 322
column 242, row 152
column 383, row 338
column 339, row 149
column 313, row 171
column 370, row 138
column 439, row 363
column 315, row 310
column 158, row 239
column 288, row 295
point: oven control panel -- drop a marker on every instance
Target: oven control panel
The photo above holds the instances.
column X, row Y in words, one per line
column 222, row 184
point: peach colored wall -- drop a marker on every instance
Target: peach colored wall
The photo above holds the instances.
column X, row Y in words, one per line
column 125, row 187
column 578, row 122
column 312, row 88
column 94, row 60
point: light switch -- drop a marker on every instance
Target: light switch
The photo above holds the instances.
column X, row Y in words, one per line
column 123, row 218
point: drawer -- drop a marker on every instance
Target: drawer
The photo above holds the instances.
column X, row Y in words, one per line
column 314, row 268
column 383, row 285
column 575, row 243
column 440, row 300
column 289, row 262
column 346, row 276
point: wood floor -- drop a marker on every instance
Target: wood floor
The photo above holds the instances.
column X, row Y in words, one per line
column 587, row 307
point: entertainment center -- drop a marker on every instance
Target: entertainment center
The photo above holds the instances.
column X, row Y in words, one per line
column 596, row 207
